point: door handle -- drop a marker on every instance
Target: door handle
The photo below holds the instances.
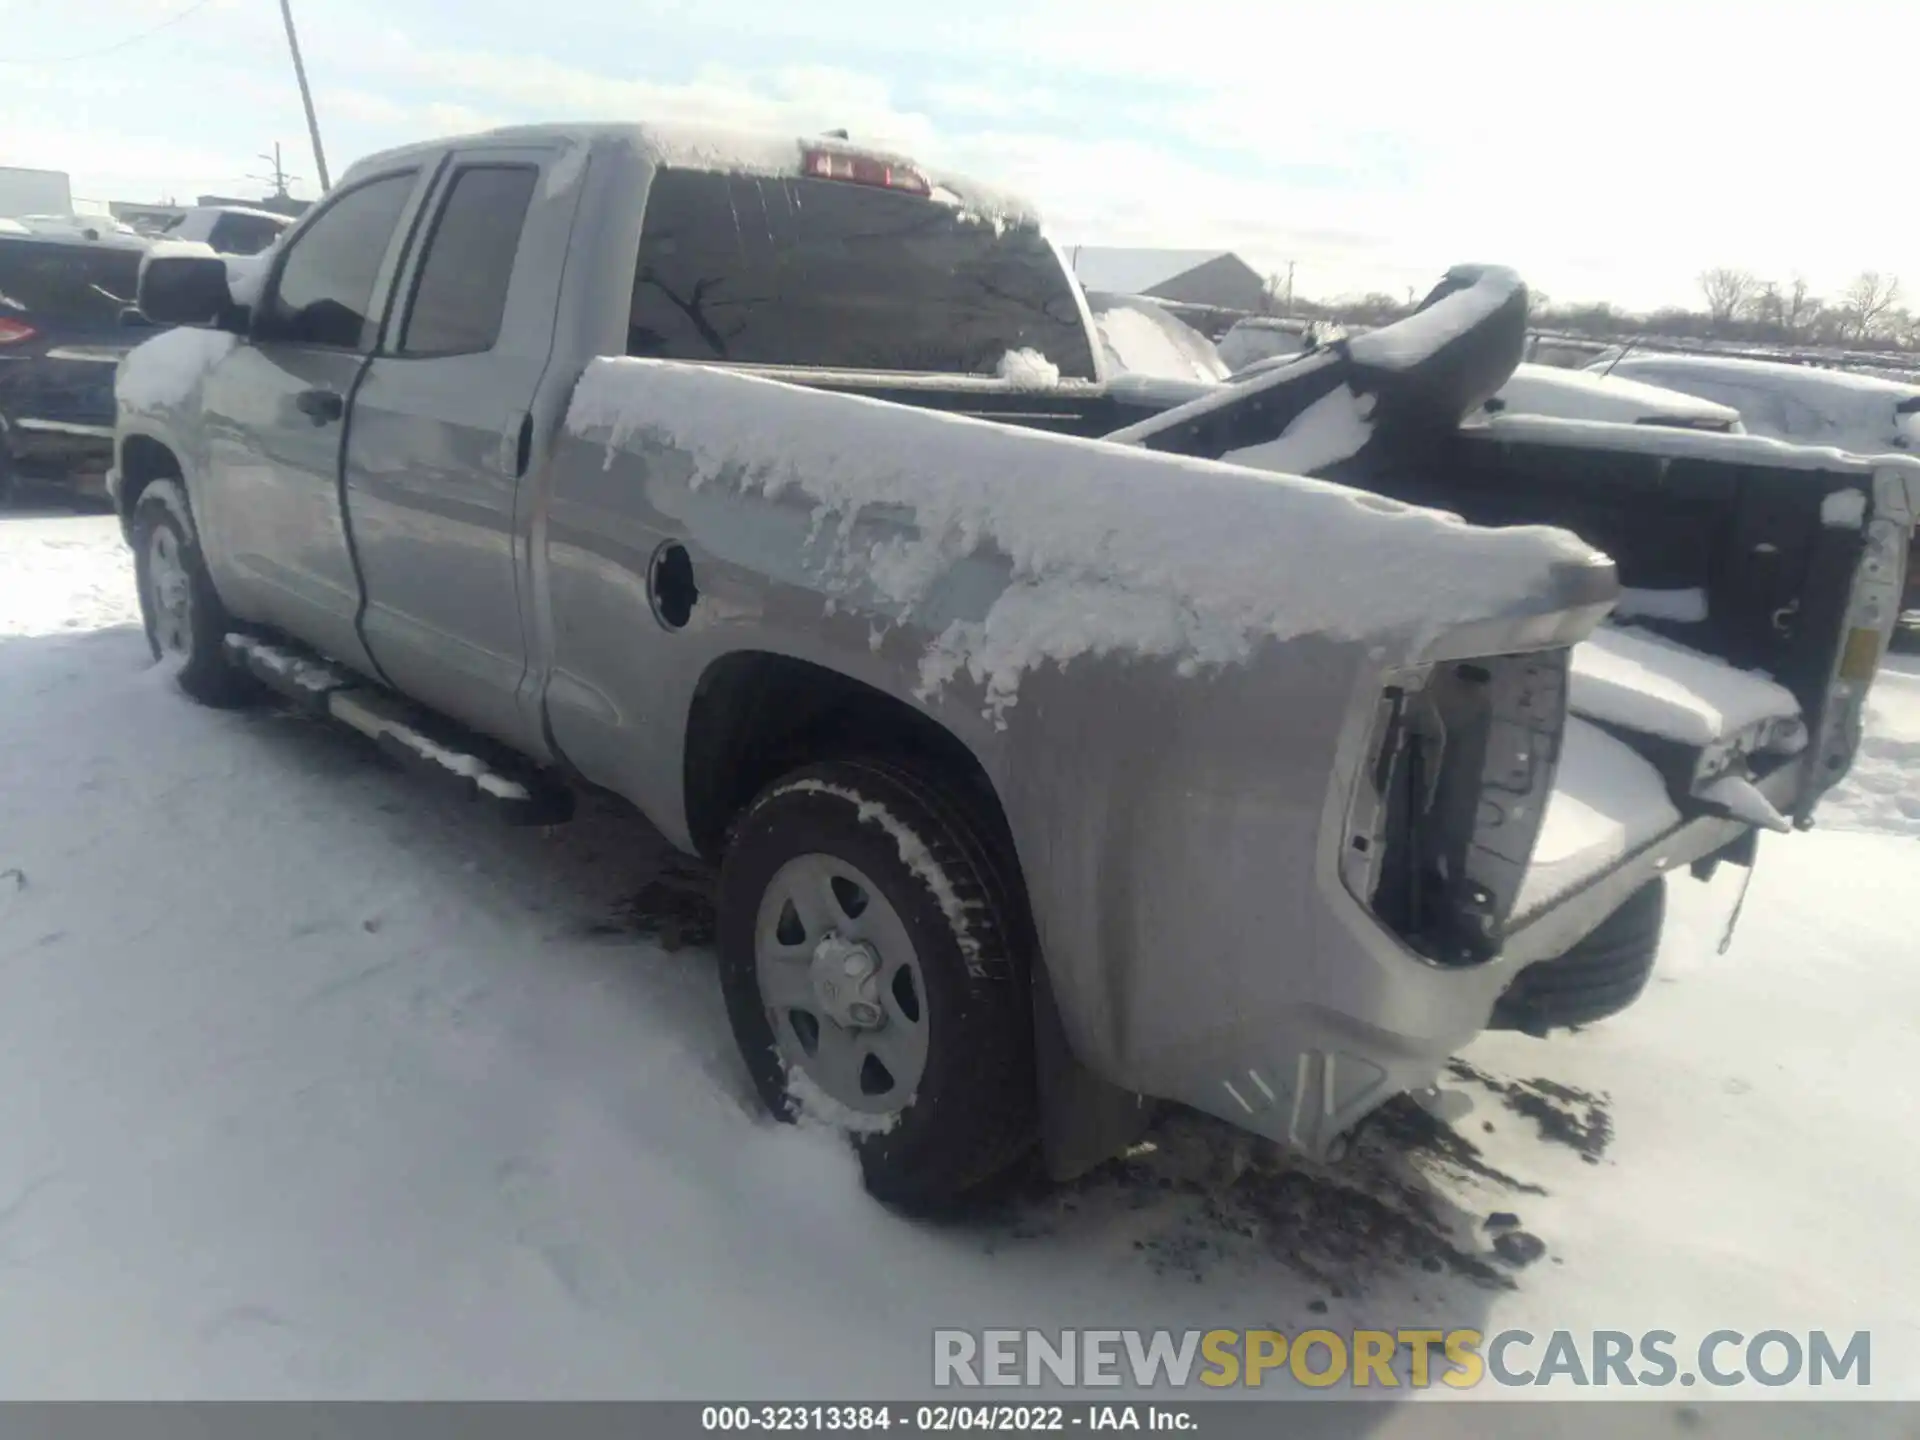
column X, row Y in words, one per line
column 321, row 406
column 516, row 447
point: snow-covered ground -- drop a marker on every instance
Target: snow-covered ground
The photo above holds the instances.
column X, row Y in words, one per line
column 312, row 1083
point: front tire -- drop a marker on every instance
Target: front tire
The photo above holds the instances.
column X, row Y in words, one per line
column 875, row 978
column 186, row 623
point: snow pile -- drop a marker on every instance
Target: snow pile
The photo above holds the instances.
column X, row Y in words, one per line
column 1606, row 803
column 63, row 573
column 1028, row 370
column 813, row 1106
column 1640, row 681
column 1882, row 790
column 1140, row 341
column 163, row 373
column 1112, row 549
column 1844, row 510
column 1334, row 428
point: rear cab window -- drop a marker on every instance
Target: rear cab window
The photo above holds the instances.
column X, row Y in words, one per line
column 461, row 294
column 53, row 283
column 760, row 270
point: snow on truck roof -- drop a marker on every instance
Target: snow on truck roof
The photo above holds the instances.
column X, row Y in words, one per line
column 742, row 152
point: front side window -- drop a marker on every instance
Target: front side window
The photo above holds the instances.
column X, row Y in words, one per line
column 759, row 270
column 325, row 291
column 462, row 293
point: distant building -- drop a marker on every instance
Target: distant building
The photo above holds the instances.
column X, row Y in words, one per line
column 1217, row 279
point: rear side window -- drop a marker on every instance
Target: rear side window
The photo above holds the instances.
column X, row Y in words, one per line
column 325, row 291
column 243, row 234
column 72, row 284
column 462, row 291
column 769, row 271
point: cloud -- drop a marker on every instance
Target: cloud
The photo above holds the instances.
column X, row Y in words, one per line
column 1612, row 152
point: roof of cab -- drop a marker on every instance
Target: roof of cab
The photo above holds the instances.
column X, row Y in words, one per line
column 741, row 152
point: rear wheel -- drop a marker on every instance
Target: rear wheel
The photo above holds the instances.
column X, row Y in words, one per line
column 1600, row 976
column 186, row 623
column 874, row 977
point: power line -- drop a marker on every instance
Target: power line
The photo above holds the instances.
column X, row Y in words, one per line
column 166, row 24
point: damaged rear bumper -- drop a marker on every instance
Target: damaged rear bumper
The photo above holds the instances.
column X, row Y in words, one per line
column 1305, row 1074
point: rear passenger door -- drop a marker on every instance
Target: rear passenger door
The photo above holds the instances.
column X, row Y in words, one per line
column 445, row 426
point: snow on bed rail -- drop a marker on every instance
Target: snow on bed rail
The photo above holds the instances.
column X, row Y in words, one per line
column 1112, row 549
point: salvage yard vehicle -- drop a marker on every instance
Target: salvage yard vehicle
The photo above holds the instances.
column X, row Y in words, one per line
column 1808, row 404
column 1061, row 747
column 61, row 301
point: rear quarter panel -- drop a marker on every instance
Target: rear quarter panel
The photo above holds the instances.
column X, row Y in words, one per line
column 1169, row 767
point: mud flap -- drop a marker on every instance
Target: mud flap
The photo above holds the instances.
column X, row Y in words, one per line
column 1084, row 1120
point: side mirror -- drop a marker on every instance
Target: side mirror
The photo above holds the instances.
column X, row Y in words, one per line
column 186, row 290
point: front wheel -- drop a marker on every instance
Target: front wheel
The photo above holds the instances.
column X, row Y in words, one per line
column 185, row 621
column 874, row 976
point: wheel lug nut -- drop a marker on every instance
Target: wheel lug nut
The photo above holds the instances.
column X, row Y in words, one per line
column 863, row 1013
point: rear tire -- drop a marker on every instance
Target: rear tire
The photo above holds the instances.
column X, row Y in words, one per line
column 873, row 867
column 186, row 623
column 1599, row 977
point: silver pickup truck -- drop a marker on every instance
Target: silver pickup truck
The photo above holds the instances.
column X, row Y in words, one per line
column 1062, row 747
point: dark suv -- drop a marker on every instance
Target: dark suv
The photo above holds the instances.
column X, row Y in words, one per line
column 61, row 337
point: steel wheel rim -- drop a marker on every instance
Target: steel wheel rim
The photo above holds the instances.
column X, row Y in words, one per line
column 821, row 922
column 170, row 591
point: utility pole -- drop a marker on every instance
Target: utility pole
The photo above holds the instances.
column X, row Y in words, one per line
column 1289, row 287
column 279, row 179
column 306, row 97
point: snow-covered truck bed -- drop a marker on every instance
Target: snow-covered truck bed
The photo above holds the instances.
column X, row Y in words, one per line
column 1055, row 752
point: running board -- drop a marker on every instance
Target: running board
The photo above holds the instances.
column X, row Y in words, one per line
column 423, row 743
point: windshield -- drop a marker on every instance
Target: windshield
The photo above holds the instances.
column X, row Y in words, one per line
column 770, row 271
column 77, row 283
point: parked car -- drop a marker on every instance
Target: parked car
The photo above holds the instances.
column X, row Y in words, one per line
column 1056, row 753
column 61, row 335
column 229, row 229
column 1808, row 404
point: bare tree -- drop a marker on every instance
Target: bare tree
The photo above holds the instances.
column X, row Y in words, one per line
column 1726, row 291
column 1799, row 307
column 1868, row 299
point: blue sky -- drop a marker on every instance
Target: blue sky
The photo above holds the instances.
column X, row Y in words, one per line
column 1606, row 150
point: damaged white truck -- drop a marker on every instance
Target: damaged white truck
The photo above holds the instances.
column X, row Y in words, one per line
column 1061, row 751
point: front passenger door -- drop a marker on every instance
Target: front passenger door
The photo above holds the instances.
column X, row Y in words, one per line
column 275, row 419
